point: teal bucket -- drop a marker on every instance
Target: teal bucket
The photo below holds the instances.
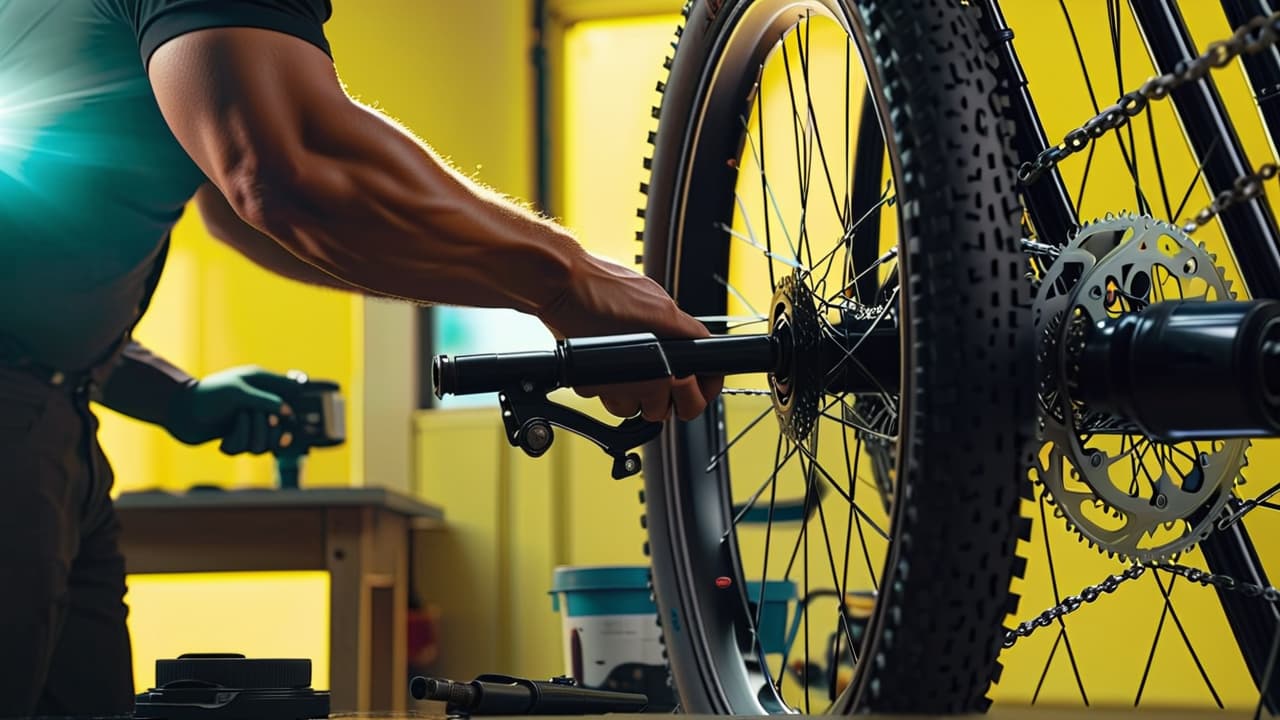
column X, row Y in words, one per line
column 611, row 638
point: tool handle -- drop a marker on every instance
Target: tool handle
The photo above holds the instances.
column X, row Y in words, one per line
column 505, row 695
column 602, row 361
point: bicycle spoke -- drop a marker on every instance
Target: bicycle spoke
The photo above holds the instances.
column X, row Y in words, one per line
column 773, row 201
column 715, row 459
column 1195, row 179
column 806, row 170
column 848, row 353
column 1248, row 506
column 817, row 135
column 738, row 326
column 768, row 528
column 802, row 540
column 796, row 134
column 1265, row 684
column 814, row 464
column 848, row 176
column 1057, row 640
column 860, row 428
column 1155, row 642
column 768, row 539
column 880, row 390
column 764, row 183
column 853, row 517
column 889, row 254
column 808, row 493
column 1084, row 68
column 750, row 238
column 731, row 319
column 1057, row 599
column 736, row 293
column 1155, row 158
column 756, row 496
column 1187, row 641
column 785, row 261
column 1084, row 178
column 826, row 537
column 1113, row 15
column 849, row 410
column 848, row 237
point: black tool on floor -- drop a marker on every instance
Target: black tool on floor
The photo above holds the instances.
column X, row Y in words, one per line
column 227, row 686
column 505, row 695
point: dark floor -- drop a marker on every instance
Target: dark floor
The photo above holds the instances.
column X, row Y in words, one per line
column 1037, row 713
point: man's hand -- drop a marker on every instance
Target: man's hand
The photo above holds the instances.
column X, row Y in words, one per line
column 242, row 406
column 605, row 298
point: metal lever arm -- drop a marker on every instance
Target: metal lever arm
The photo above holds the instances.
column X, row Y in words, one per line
column 529, row 415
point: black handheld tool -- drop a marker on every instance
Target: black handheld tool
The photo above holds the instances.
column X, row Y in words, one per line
column 504, row 695
column 523, row 380
column 318, row 420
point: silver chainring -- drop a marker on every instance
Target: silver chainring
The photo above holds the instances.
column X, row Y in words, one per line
column 1123, row 493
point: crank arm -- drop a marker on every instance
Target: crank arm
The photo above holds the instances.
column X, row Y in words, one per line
column 529, row 417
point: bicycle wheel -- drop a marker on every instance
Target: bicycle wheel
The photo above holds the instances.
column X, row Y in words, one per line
column 1106, row 223
column 776, row 201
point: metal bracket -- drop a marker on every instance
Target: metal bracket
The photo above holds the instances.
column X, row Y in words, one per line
column 529, row 416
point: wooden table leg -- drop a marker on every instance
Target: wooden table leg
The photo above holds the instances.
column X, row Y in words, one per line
column 390, row 613
column 348, row 547
column 368, row 560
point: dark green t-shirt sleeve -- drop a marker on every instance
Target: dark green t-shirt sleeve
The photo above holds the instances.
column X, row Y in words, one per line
column 155, row 22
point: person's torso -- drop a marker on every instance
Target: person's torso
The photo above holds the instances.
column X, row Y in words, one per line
column 91, row 178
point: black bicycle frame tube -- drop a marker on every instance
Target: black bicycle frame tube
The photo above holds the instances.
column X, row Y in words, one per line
column 1262, row 68
column 1250, row 226
column 1251, row 229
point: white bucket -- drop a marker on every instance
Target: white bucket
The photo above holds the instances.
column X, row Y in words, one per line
column 611, row 635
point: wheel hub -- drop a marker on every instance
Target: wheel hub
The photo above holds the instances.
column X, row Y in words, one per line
column 797, row 385
column 1123, row 492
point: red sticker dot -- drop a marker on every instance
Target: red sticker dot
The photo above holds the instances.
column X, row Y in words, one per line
column 723, row 582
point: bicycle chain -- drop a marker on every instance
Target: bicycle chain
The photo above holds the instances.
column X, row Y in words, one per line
column 1246, row 187
column 1222, row 582
column 1091, row 594
column 1254, row 36
column 1072, row 603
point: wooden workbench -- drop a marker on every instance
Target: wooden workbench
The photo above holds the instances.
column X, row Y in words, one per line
column 360, row 536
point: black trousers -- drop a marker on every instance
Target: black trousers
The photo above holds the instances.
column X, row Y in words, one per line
column 64, row 645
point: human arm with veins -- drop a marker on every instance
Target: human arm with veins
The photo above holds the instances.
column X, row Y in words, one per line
column 352, row 194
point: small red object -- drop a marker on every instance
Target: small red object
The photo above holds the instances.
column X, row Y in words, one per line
column 723, row 582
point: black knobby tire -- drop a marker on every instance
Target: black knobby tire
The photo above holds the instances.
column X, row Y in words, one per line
column 967, row 400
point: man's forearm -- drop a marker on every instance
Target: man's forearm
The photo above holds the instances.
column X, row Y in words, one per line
column 143, row 385
column 373, row 206
column 225, row 225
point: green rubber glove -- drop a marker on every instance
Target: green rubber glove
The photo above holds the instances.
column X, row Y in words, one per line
column 241, row 406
